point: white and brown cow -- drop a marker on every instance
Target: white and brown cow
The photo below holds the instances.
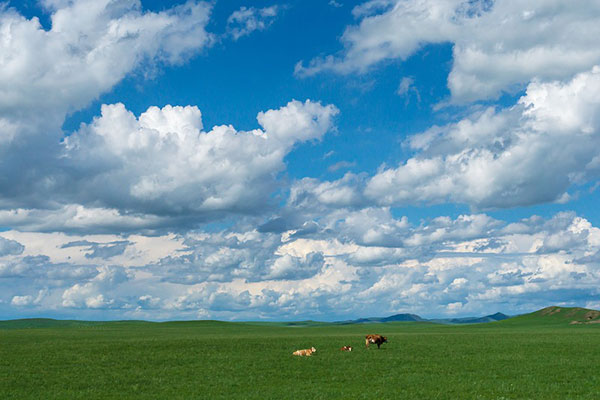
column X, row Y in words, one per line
column 304, row 352
column 375, row 339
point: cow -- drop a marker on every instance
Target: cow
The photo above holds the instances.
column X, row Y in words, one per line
column 346, row 348
column 304, row 352
column 375, row 339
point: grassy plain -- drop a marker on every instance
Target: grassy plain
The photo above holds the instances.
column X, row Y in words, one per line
column 526, row 358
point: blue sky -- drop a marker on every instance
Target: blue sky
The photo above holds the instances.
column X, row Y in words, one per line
column 307, row 159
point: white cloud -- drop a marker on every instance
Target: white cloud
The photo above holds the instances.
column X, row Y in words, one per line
column 129, row 173
column 95, row 293
column 308, row 193
column 91, row 46
column 46, row 74
column 405, row 85
column 533, row 152
column 407, row 89
column 297, row 122
column 246, row 20
column 481, row 263
column 497, row 46
column 61, row 248
column 164, row 163
column 396, row 33
column 290, row 267
column 76, row 217
column 371, row 7
column 341, row 165
column 21, row 301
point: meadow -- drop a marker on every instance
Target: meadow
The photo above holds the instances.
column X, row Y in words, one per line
column 529, row 357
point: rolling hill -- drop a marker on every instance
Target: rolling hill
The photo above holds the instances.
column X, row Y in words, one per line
column 415, row 318
column 473, row 320
column 555, row 315
column 377, row 320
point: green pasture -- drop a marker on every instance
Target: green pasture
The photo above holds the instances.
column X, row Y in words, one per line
column 528, row 357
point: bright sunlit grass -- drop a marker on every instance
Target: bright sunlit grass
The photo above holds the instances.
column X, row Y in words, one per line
column 210, row 360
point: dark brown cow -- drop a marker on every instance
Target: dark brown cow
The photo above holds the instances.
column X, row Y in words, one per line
column 377, row 339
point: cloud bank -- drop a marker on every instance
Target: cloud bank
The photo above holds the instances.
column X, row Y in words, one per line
column 374, row 264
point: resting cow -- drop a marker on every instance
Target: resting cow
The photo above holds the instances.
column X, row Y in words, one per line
column 304, row 352
column 376, row 339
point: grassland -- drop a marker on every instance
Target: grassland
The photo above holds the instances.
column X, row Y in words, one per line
column 528, row 357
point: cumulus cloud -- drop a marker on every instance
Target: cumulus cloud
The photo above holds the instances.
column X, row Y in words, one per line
column 533, row 152
column 246, row 20
column 89, row 48
column 497, row 46
column 29, row 300
column 129, row 173
column 308, row 193
column 294, row 268
column 165, row 163
column 95, row 293
column 21, row 301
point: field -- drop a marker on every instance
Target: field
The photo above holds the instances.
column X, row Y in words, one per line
column 528, row 357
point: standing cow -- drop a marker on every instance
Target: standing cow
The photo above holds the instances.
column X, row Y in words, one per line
column 376, row 339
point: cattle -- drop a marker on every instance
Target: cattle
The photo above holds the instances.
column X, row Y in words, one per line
column 304, row 352
column 346, row 348
column 375, row 339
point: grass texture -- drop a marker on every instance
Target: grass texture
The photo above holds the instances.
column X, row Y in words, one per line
column 537, row 356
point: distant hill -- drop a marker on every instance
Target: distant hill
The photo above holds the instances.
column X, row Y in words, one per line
column 27, row 323
column 43, row 323
column 415, row 318
column 555, row 315
column 473, row 320
column 376, row 320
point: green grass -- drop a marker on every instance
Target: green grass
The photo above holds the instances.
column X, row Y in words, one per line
column 526, row 358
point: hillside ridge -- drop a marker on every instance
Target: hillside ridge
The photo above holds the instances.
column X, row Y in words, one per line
column 576, row 315
column 415, row 318
column 549, row 315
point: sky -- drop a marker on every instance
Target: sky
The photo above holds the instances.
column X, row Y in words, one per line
column 324, row 160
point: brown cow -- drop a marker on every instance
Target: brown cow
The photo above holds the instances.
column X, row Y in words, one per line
column 346, row 348
column 377, row 339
